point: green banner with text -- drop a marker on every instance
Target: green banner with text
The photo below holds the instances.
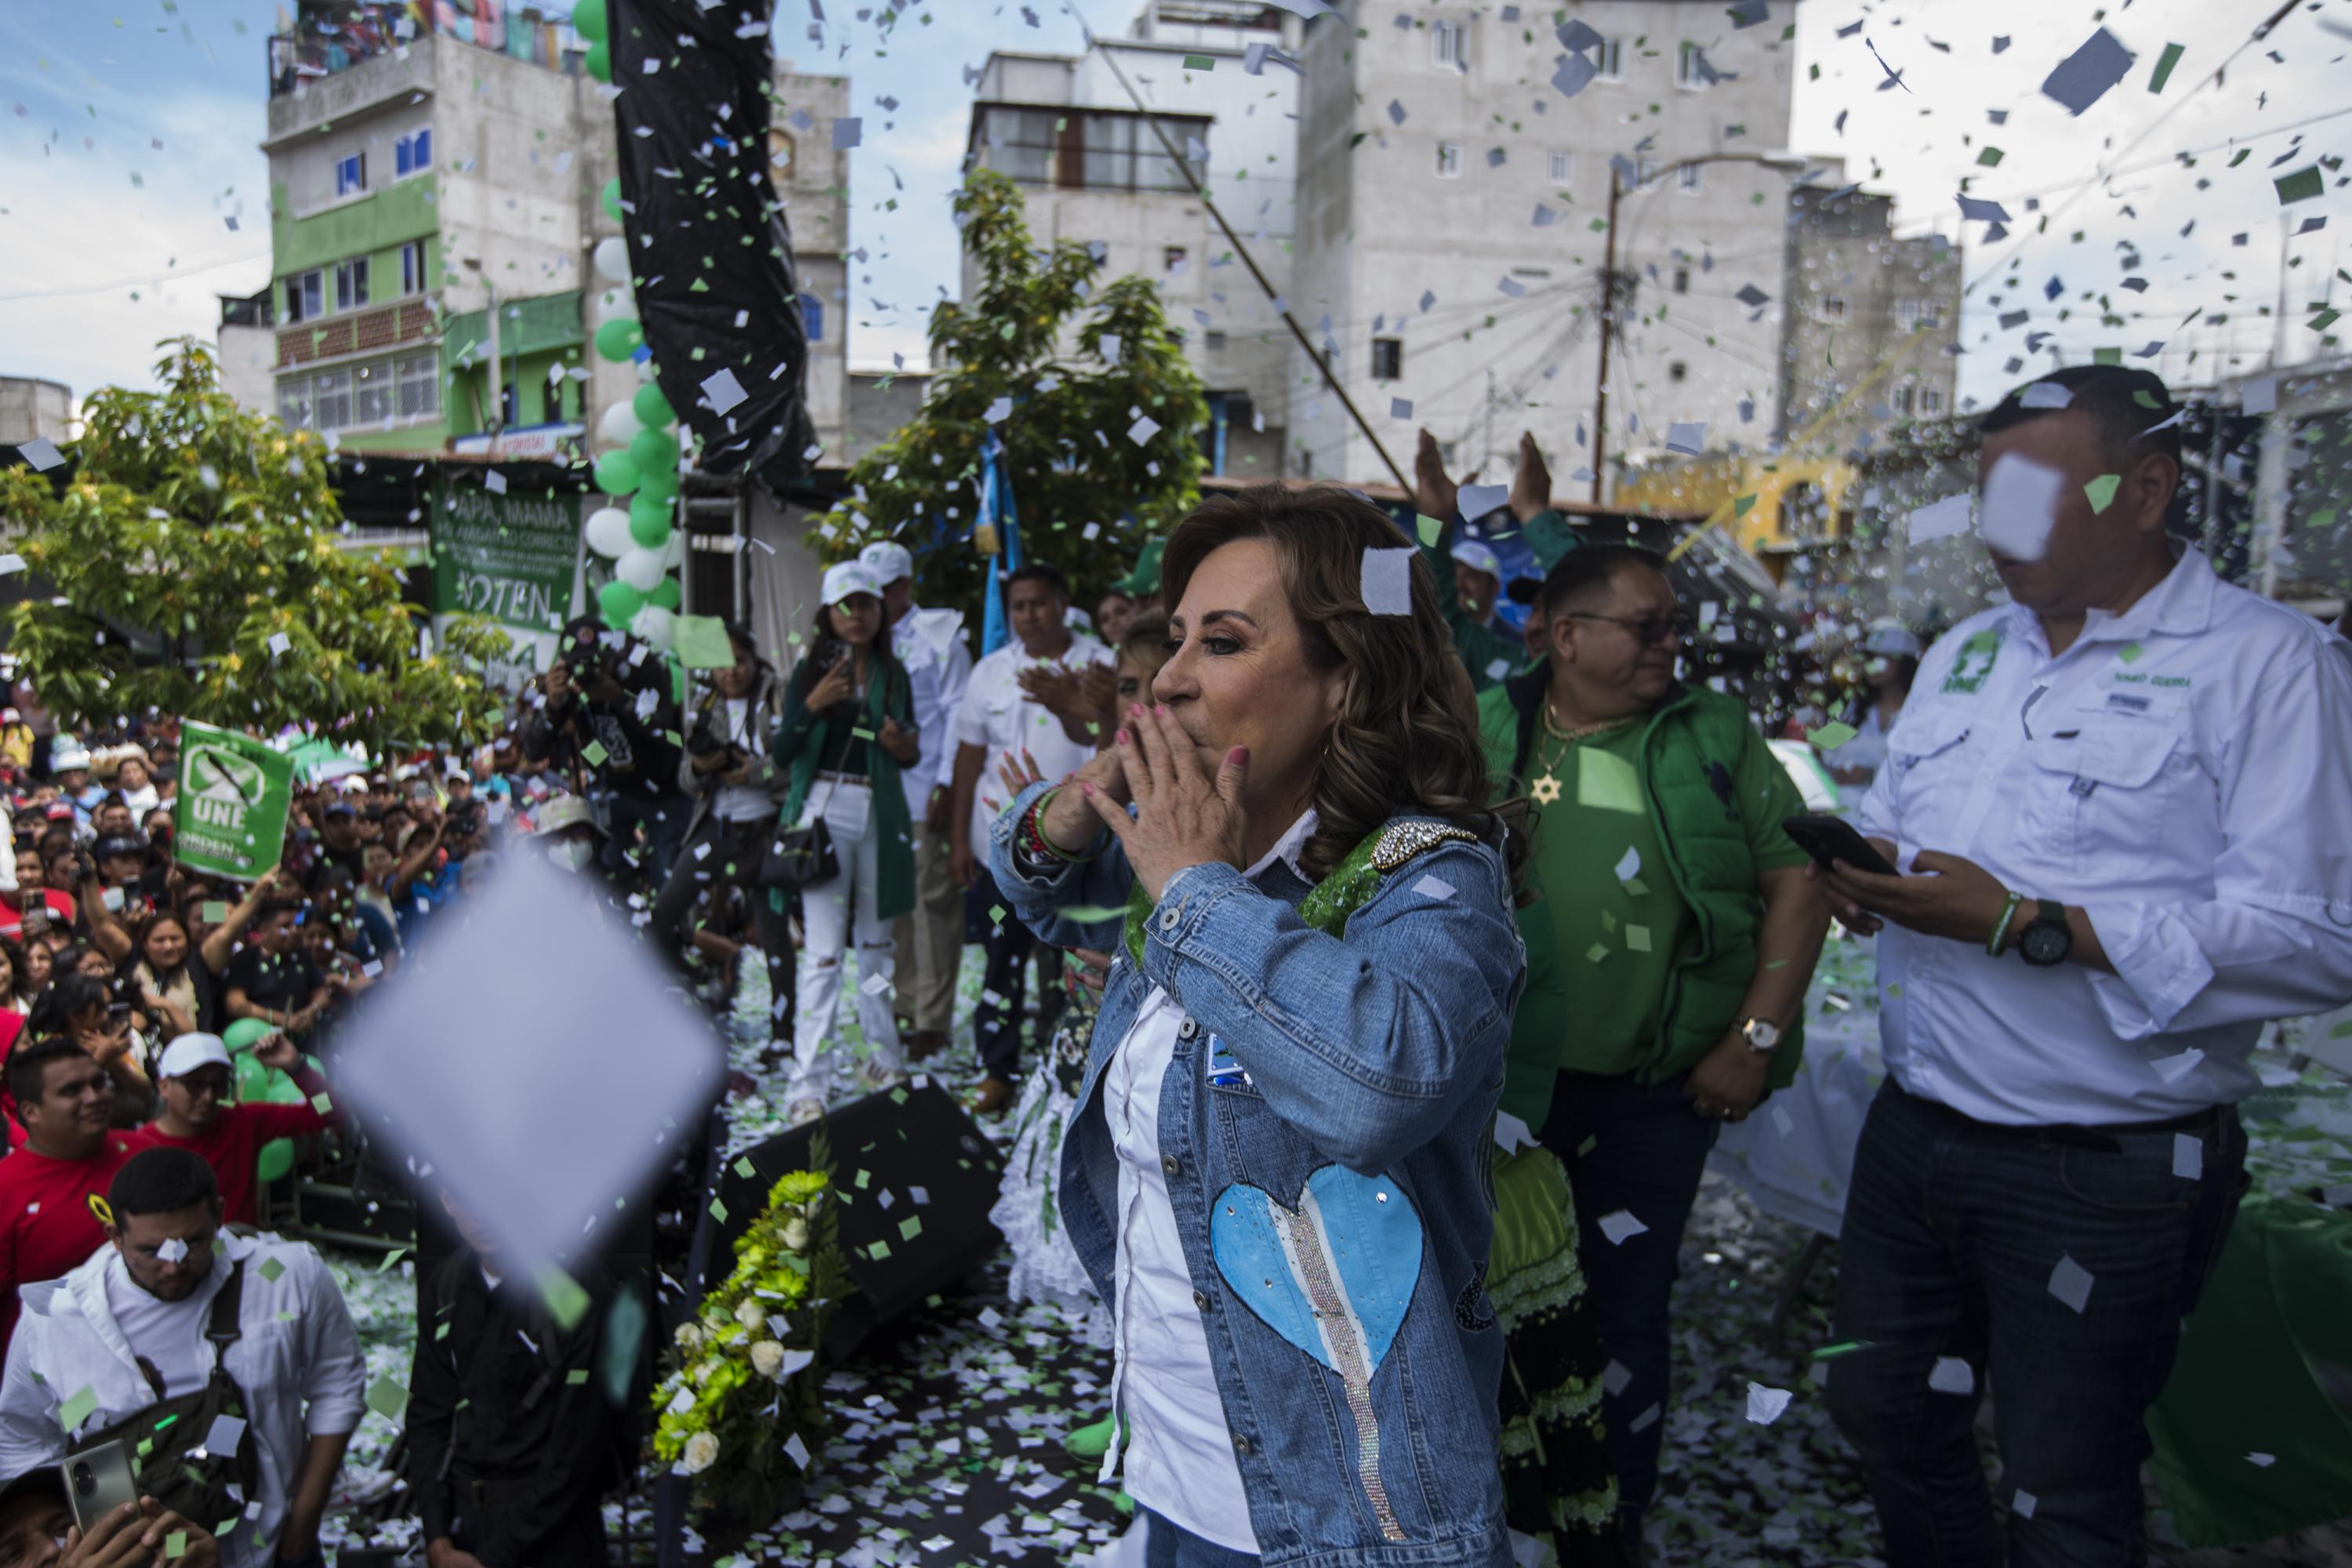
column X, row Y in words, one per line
column 230, row 819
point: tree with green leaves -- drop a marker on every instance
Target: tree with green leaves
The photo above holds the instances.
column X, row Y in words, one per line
column 194, row 564
column 1068, row 423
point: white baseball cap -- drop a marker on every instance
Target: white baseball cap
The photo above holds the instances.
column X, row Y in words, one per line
column 890, row 560
column 67, row 755
column 1478, row 558
column 189, row 1052
column 1892, row 637
column 561, row 811
column 846, row 577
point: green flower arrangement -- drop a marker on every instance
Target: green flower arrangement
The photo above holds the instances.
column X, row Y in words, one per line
column 741, row 1378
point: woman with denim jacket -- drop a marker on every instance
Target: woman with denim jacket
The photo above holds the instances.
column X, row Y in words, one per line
column 1278, row 1173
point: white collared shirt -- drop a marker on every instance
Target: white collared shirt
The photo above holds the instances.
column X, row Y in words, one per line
column 929, row 644
column 1180, row 1451
column 998, row 716
column 2183, row 773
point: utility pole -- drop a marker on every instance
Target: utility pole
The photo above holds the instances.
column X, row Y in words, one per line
column 1608, row 331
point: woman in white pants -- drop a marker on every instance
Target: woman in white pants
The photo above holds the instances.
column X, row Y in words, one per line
column 848, row 728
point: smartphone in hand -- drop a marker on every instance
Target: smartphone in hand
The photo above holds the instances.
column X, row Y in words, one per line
column 1828, row 838
column 98, row 1481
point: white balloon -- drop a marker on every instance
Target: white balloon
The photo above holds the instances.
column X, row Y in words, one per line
column 619, row 424
column 640, row 569
column 655, row 624
column 611, row 259
column 673, row 550
column 612, row 303
column 608, row 533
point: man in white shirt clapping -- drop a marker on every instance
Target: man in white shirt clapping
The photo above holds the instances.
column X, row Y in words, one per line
column 2122, row 808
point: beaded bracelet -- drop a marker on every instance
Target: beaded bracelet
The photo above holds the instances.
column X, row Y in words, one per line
column 1033, row 833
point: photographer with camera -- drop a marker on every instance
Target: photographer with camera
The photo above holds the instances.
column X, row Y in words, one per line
column 605, row 717
column 738, row 790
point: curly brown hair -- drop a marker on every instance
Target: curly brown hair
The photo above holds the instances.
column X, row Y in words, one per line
column 1407, row 735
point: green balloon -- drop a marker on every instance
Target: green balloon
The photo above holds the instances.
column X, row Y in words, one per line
column 588, row 21
column 613, row 198
column 243, row 1033
column 620, row 603
column 284, row 1090
column 617, row 339
column 654, row 449
column 278, row 1155
column 665, row 594
column 649, row 522
column 661, row 483
column 252, row 1077
column 652, row 409
column 600, row 61
column 616, row 473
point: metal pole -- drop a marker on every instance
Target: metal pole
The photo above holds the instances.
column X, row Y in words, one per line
column 495, row 418
column 1313, row 355
column 1608, row 329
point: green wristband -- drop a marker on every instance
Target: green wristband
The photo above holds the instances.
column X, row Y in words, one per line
column 2000, row 927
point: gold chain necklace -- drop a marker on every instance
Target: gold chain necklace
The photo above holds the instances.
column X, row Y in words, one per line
column 1584, row 731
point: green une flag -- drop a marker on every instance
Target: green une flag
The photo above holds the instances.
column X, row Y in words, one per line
column 230, row 819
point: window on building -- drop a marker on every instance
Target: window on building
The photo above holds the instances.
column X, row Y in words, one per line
column 1688, row 69
column 1172, row 259
column 413, row 153
column 331, row 395
column 372, row 389
column 1214, row 342
column 1646, row 175
column 351, row 284
column 1450, row 45
column 1930, row 400
column 1609, row 56
column 294, row 403
column 304, row 297
column 1449, row 159
column 1911, row 315
column 1833, row 307
column 412, row 267
column 1686, row 178
column 351, row 174
column 418, row 380
column 1562, row 163
column 812, row 317
column 1905, row 396
column 1682, row 280
column 1388, row 359
column 1677, row 371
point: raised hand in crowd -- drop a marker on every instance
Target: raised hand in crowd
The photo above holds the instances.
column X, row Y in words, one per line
column 832, row 689
column 135, row 1536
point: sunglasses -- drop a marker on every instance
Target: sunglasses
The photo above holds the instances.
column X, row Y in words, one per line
column 1649, row 631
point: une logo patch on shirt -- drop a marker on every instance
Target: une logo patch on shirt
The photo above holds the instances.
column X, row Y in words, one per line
column 1224, row 1071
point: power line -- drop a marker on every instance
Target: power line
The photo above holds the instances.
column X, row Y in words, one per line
column 171, row 275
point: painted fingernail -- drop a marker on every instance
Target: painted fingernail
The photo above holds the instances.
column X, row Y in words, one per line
column 1122, row 737
column 1135, row 710
column 1162, row 709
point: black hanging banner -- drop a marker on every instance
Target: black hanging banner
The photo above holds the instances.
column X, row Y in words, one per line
column 708, row 245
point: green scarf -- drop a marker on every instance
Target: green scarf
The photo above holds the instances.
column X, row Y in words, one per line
column 1327, row 907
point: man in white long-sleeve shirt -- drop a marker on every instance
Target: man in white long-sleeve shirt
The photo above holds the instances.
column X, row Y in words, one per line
column 2122, row 806
column 929, row 644
column 75, row 1365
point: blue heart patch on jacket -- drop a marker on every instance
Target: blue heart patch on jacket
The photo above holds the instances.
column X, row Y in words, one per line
column 1334, row 1275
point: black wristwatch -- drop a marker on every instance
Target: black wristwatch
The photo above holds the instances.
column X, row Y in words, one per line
column 2046, row 939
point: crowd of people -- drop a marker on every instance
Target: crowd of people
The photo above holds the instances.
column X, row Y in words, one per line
column 1397, row 967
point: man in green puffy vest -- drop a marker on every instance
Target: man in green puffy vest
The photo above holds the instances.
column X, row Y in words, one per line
column 1684, row 929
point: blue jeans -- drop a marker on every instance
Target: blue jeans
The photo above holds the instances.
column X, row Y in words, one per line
column 1647, row 1151
column 1167, row 1545
column 1954, row 1239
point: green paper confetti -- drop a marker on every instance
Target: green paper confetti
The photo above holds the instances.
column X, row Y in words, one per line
column 1199, row 63
column 2301, row 185
column 175, row 1545
column 911, row 1227
column 1429, row 526
column 745, row 1169
column 1830, row 737
column 1991, row 157
column 2164, row 64
column 719, row 1211
column 594, row 753
column 76, row 1411
column 1831, row 1352
column 270, row 1269
column 1637, row 938
column 1595, row 953
column 565, row 1297
column 388, row 1399
column 1742, row 505
column 2101, row 491
column 2129, row 653
column 576, row 1378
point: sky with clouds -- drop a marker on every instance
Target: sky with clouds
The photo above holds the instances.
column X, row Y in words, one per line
column 132, row 191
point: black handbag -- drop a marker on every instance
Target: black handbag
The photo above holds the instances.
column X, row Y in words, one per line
column 801, row 857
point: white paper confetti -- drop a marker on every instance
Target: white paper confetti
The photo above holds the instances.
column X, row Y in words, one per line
column 1614, row 1378
column 1629, row 864
column 42, row 453
column 2021, row 504
column 495, row 482
column 1433, row 887
column 2261, row 1461
column 2187, row 1156
column 847, row 132
column 173, row 1250
column 2071, row 1282
column 280, row 642
column 999, row 411
column 1144, row 429
column 2259, row 395
column 1686, row 439
column 2023, row 1503
column 1476, row 501
column 1388, row 581
column 723, row 391
column 2046, row 395
column 1621, row 1225
column 1942, row 519
column 1765, row 1404
column 2172, row 1069
column 1513, row 1134
column 225, row 1434
column 1950, row 1375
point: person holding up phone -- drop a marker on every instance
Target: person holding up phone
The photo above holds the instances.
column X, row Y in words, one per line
column 39, row 1528
column 1684, row 933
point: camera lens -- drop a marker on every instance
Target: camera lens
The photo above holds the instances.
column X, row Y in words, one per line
column 85, row 1479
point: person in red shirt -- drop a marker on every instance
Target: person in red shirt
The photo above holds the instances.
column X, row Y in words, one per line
column 69, row 1155
column 193, row 1082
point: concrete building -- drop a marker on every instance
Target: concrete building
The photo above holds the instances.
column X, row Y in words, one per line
column 1452, row 226
column 1863, row 307
column 31, row 410
column 1095, row 171
column 244, row 347
column 423, row 176
column 880, row 402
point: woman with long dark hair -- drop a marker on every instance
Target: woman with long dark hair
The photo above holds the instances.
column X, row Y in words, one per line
column 1278, row 1175
column 848, row 728
column 169, row 978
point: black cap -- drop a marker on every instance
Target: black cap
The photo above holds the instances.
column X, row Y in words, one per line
column 1524, row 590
column 119, row 844
column 338, row 807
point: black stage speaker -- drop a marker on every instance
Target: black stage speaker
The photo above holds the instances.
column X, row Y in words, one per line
column 908, row 1153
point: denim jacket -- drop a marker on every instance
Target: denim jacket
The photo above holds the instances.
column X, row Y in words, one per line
column 1325, row 1128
